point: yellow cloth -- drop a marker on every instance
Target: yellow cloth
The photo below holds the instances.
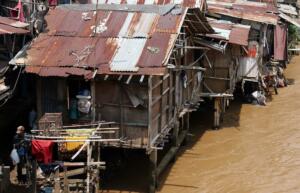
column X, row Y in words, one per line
column 71, row 146
column 74, row 135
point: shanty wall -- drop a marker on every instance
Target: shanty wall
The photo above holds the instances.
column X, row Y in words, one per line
column 52, row 96
column 222, row 76
column 146, row 110
column 126, row 104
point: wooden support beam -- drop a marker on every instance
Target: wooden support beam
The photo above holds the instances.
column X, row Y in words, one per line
column 170, row 102
column 66, row 182
column 216, row 78
column 152, row 168
column 56, row 181
column 162, row 93
column 106, row 77
column 93, row 93
column 171, row 154
column 149, row 111
column 129, row 79
column 217, row 113
column 74, row 172
column 120, row 77
column 178, row 68
column 77, row 164
column 142, row 78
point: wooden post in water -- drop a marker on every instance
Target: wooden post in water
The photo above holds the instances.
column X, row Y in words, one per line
column 217, row 113
column 152, row 172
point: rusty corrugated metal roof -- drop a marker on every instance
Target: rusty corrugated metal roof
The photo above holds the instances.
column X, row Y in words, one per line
column 234, row 33
column 13, row 23
column 79, row 42
column 10, row 26
column 252, row 11
column 185, row 3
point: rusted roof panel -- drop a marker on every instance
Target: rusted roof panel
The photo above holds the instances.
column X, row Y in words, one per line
column 157, row 50
column 288, row 9
column 13, row 23
column 226, row 30
column 110, row 42
column 290, row 19
column 6, row 29
column 10, row 26
column 111, row 23
column 253, row 11
column 239, row 35
column 185, row 3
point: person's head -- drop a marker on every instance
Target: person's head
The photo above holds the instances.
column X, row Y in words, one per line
column 20, row 130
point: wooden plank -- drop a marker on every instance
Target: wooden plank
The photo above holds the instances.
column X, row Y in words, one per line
column 152, row 168
column 93, row 93
column 66, row 183
column 74, row 172
column 149, row 110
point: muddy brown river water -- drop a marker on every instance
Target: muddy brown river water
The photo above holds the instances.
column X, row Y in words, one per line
column 256, row 151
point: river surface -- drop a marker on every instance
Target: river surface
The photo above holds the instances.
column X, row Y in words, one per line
column 257, row 150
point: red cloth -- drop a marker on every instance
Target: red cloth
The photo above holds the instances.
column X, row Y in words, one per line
column 280, row 33
column 42, row 150
column 52, row 2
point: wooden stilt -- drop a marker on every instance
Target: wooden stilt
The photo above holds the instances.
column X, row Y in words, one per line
column 217, row 113
column 175, row 134
column 56, row 182
column 152, row 168
column 66, row 182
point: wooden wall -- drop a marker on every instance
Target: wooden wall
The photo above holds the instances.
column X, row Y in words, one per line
column 221, row 76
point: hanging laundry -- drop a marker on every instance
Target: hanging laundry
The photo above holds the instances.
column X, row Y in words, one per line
column 18, row 12
column 42, row 150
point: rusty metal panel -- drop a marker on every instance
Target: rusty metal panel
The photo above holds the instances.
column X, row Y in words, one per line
column 257, row 12
column 12, row 23
column 169, row 23
column 239, row 35
column 234, row 33
column 106, row 42
column 185, row 3
column 6, row 29
column 157, row 50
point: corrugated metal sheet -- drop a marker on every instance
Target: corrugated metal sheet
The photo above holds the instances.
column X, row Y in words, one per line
column 234, row 33
column 288, row 9
column 9, row 26
column 185, row 3
column 258, row 12
column 223, row 33
column 239, row 35
column 289, row 19
column 127, row 55
column 6, row 29
column 13, row 23
column 110, row 23
column 79, row 42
